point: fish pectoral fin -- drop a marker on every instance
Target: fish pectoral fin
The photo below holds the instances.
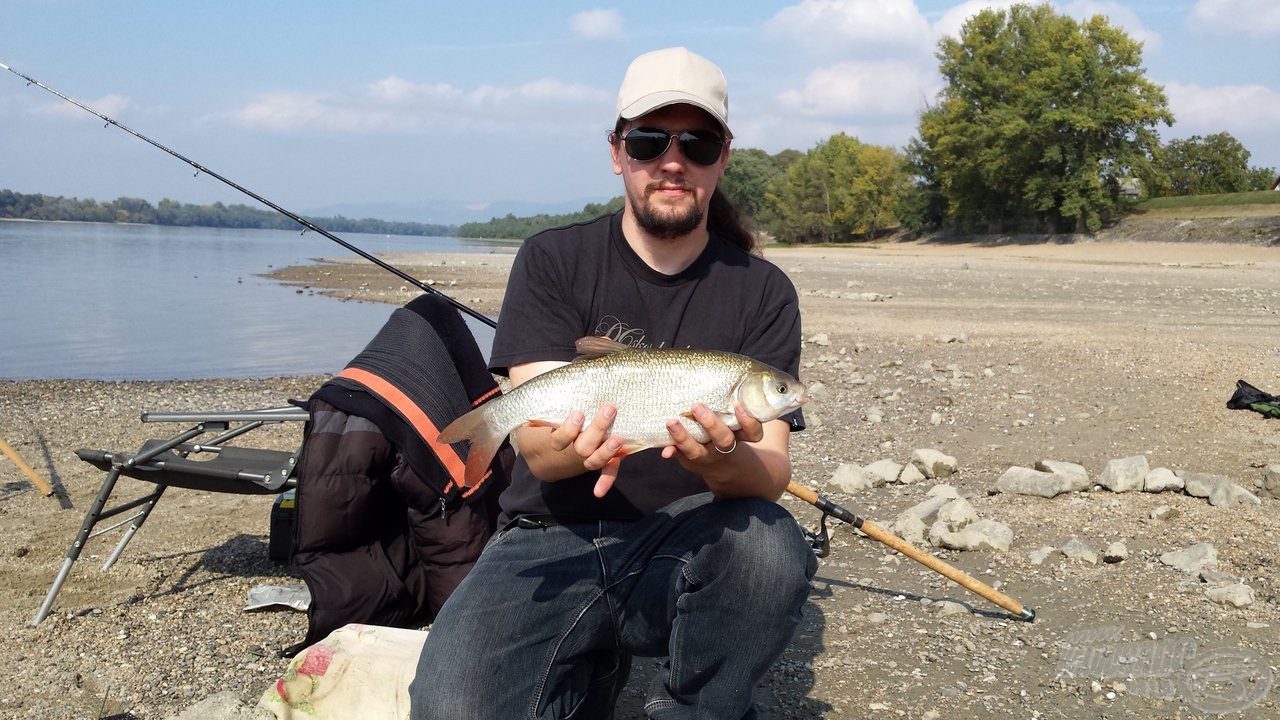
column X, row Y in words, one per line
column 728, row 418
column 631, row 447
column 542, row 423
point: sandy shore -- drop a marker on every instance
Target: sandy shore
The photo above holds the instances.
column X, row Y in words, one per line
column 998, row 356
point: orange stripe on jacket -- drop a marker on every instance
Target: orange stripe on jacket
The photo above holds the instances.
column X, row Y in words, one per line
column 417, row 419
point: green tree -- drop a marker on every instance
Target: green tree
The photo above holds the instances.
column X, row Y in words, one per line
column 840, row 190
column 1207, row 165
column 1040, row 120
column 747, row 178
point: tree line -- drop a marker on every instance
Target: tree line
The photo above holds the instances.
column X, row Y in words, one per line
column 512, row 227
column 1044, row 124
column 169, row 212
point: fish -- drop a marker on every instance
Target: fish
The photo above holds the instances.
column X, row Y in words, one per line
column 649, row 386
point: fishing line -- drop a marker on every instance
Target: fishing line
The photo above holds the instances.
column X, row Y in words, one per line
column 306, row 224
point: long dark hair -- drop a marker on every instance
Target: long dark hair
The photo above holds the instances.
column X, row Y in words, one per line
column 723, row 220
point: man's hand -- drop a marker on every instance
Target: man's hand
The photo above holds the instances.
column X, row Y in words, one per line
column 698, row 456
column 749, row 462
column 598, row 449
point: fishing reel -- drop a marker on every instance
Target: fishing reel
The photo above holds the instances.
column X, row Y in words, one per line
column 819, row 540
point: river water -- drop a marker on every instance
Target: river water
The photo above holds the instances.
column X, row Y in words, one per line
column 144, row 302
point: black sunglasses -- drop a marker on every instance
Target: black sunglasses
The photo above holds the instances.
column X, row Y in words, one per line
column 648, row 143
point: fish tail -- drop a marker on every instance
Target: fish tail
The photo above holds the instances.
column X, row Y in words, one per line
column 485, row 440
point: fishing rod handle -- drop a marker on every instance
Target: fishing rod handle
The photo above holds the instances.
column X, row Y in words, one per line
column 884, row 537
column 960, row 577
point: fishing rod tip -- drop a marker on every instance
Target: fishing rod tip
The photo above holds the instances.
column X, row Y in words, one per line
column 1028, row 615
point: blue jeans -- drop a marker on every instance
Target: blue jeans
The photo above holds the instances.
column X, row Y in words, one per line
column 546, row 623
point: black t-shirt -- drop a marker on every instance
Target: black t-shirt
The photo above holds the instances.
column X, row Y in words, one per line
column 584, row 279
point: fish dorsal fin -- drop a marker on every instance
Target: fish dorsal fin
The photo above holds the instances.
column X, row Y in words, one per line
column 590, row 348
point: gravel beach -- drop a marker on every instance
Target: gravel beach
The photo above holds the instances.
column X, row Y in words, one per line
column 996, row 355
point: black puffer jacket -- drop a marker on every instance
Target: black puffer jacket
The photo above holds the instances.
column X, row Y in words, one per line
column 384, row 530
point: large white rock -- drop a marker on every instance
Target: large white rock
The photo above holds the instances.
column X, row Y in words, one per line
column 1078, row 476
column 886, row 470
column 851, row 478
column 1237, row 595
column 933, row 463
column 1161, row 479
column 1124, row 474
column 1025, row 481
column 1201, row 556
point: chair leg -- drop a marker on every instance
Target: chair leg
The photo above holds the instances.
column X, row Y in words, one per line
column 134, row 526
column 77, row 545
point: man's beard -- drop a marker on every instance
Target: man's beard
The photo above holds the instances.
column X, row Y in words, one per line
column 666, row 226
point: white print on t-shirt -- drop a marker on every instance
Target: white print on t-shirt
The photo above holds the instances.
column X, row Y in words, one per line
column 618, row 331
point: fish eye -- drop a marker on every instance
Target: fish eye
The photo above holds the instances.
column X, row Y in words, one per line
column 782, row 388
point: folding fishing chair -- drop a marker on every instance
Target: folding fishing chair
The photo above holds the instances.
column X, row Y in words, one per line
column 179, row 462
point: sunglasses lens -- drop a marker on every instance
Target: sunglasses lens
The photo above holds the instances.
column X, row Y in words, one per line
column 701, row 147
column 645, row 144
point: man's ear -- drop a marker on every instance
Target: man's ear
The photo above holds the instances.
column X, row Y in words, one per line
column 615, row 148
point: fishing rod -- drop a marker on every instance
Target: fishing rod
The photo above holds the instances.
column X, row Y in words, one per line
column 305, row 223
column 822, row 503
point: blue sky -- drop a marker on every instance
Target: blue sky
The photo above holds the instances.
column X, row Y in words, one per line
column 472, row 105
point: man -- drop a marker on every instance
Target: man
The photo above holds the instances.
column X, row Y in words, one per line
column 680, row 552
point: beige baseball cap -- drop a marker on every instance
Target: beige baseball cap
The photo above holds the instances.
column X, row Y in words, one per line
column 674, row 75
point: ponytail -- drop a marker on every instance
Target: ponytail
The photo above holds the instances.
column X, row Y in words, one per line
column 723, row 220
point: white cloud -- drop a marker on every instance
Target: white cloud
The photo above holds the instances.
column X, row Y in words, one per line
column 853, row 27
column 1259, row 18
column 1233, row 108
column 951, row 21
column 401, row 106
column 595, row 24
column 109, row 105
column 1117, row 15
column 863, row 88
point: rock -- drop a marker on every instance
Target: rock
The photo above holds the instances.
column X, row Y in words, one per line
column 821, row 340
column 1220, row 491
column 949, row 607
column 1161, row 479
column 1200, row 556
column 938, row 495
column 911, row 528
column 943, row 490
column 1025, row 481
column 1076, row 473
column 957, row 514
column 1271, row 480
column 1238, row 595
column 1164, row 512
column 1077, row 549
column 851, row 478
column 1042, row 553
column 981, row 535
column 1215, row 577
column 910, row 474
column 1124, row 474
column 1115, row 552
column 886, row 470
column 933, row 463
